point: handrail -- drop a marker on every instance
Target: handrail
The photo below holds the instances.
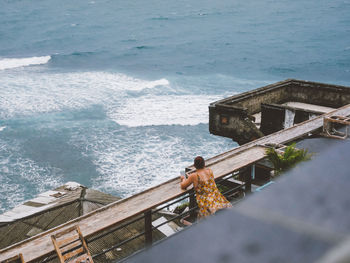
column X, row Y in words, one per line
column 119, row 212
column 189, row 211
column 144, row 233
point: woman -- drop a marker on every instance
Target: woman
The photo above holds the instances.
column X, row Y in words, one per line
column 208, row 196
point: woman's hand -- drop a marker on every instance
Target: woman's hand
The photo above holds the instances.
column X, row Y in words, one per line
column 185, row 182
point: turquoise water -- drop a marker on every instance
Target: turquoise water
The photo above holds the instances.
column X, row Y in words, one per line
column 114, row 94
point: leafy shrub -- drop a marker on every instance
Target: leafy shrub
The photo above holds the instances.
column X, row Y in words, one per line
column 289, row 158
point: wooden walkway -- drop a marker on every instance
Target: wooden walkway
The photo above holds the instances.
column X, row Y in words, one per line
column 125, row 209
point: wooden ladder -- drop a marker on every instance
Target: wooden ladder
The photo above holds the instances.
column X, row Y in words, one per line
column 70, row 246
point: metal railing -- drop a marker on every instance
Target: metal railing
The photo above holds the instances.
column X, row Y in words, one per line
column 146, row 216
column 141, row 222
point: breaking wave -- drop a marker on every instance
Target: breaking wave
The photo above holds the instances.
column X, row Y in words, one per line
column 8, row 63
column 163, row 110
column 31, row 93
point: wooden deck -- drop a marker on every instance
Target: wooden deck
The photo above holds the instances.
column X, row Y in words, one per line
column 125, row 209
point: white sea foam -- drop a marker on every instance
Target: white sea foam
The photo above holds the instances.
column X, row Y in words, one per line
column 163, row 110
column 2, row 128
column 28, row 93
column 146, row 157
column 19, row 176
column 8, row 63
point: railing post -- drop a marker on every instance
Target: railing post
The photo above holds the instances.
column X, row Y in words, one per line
column 148, row 228
column 252, row 171
column 192, row 204
column 248, row 180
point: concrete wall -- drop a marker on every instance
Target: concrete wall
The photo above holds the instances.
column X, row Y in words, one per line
column 232, row 123
column 251, row 100
column 320, row 94
column 237, row 110
column 231, row 117
column 273, row 117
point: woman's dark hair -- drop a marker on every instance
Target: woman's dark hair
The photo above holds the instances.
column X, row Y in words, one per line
column 199, row 162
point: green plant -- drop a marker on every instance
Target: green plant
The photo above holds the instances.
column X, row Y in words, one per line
column 287, row 159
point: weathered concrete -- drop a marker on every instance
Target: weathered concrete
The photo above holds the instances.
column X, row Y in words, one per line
column 233, row 117
column 275, row 117
column 238, row 125
column 327, row 95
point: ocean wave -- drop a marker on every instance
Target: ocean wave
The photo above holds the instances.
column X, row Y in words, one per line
column 163, row 110
column 20, row 176
column 8, row 63
column 148, row 156
column 31, row 93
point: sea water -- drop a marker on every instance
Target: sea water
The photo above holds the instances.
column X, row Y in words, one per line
column 114, row 94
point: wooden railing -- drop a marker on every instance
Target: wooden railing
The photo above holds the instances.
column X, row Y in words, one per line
column 119, row 212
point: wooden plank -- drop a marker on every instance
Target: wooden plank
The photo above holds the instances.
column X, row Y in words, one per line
column 15, row 259
column 83, row 242
column 309, row 107
column 124, row 209
column 83, row 258
column 66, row 231
column 67, row 240
column 345, row 121
column 58, row 251
column 73, row 253
column 70, row 246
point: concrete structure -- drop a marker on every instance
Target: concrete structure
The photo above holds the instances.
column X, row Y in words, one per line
column 262, row 111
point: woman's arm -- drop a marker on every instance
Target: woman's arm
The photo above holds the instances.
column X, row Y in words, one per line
column 211, row 173
column 185, row 182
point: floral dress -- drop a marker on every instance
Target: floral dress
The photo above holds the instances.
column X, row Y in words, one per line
column 209, row 198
